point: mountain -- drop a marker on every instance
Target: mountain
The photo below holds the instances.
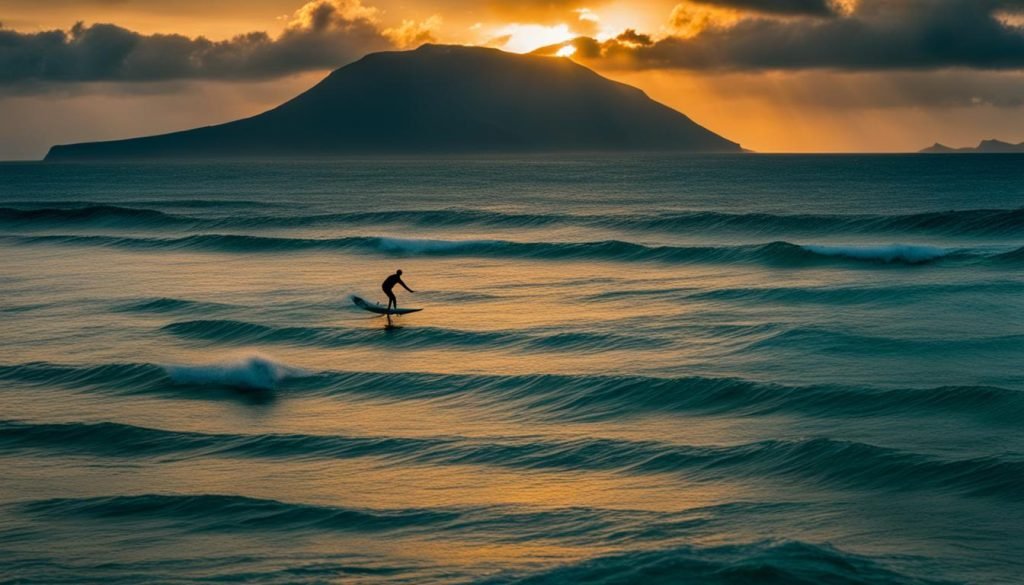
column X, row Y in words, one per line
column 437, row 99
column 984, row 147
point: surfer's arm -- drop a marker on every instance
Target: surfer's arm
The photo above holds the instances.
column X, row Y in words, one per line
column 405, row 286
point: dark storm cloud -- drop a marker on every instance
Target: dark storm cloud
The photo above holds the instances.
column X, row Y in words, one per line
column 324, row 36
column 780, row 7
column 875, row 35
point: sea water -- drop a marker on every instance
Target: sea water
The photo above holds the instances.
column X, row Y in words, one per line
column 628, row 369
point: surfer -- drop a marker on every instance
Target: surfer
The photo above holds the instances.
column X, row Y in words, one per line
column 389, row 283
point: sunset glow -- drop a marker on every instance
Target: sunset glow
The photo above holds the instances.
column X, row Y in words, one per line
column 487, row 292
column 566, row 51
column 523, row 38
column 704, row 57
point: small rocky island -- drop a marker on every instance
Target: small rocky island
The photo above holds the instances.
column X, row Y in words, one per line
column 985, row 146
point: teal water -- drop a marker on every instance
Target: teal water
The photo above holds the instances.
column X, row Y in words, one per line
column 711, row 369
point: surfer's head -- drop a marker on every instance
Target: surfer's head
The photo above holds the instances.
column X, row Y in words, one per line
column 399, row 273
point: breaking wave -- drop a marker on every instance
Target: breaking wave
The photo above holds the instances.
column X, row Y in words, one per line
column 555, row 396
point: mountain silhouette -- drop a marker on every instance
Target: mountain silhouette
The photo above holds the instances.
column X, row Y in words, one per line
column 437, row 99
column 984, row 147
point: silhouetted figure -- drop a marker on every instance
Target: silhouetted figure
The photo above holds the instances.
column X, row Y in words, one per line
column 389, row 283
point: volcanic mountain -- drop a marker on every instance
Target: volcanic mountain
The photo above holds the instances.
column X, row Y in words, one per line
column 437, row 99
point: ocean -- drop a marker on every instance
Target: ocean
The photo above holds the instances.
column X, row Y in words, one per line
column 628, row 369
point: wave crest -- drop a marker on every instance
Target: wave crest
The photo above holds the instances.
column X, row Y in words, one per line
column 970, row 222
column 792, row 562
column 230, row 512
column 235, row 332
column 773, row 254
column 891, row 253
column 842, row 464
column 565, row 396
column 254, row 372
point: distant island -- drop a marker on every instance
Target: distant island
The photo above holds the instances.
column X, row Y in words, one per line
column 437, row 99
column 985, row 146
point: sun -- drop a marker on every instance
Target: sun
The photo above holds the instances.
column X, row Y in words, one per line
column 523, row 38
column 566, row 51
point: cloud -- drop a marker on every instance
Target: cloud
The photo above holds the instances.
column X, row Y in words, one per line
column 325, row 15
column 689, row 19
column 939, row 90
column 631, row 37
column 411, row 34
column 322, row 34
column 871, row 35
column 780, row 7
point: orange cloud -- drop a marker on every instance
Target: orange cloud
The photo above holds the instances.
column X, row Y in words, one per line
column 321, row 15
column 688, row 20
column 411, row 34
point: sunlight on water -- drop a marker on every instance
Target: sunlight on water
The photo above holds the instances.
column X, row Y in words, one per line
column 676, row 365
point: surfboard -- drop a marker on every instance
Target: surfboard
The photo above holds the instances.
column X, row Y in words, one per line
column 380, row 309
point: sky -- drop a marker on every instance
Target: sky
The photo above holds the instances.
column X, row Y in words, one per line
column 773, row 75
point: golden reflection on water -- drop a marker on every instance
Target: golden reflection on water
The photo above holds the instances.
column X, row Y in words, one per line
column 301, row 290
column 310, row 289
column 378, row 483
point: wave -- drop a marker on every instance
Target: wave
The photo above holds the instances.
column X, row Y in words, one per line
column 253, row 372
column 964, row 222
column 144, row 204
column 142, row 217
column 892, row 253
column 170, row 305
column 975, row 222
column 841, row 464
column 733, row 338
column 239, row 566
column 901, row 293
column 93, row 215
column 206, row 512
column 1011, row 256
column 562, row 397
column 773, row 254
column 730, row 564
column 791, row 562
column 25, row 308
column 820, row 339
column 236, row 513
column 241, row 332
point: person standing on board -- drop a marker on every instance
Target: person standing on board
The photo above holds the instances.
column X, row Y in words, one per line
column 388, row 285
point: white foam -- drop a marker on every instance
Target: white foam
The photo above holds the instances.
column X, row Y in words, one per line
column 888, row 253
column 251, row 372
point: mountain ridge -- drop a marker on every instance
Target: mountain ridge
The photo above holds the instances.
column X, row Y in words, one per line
column 437, row 99
column 991, row 146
